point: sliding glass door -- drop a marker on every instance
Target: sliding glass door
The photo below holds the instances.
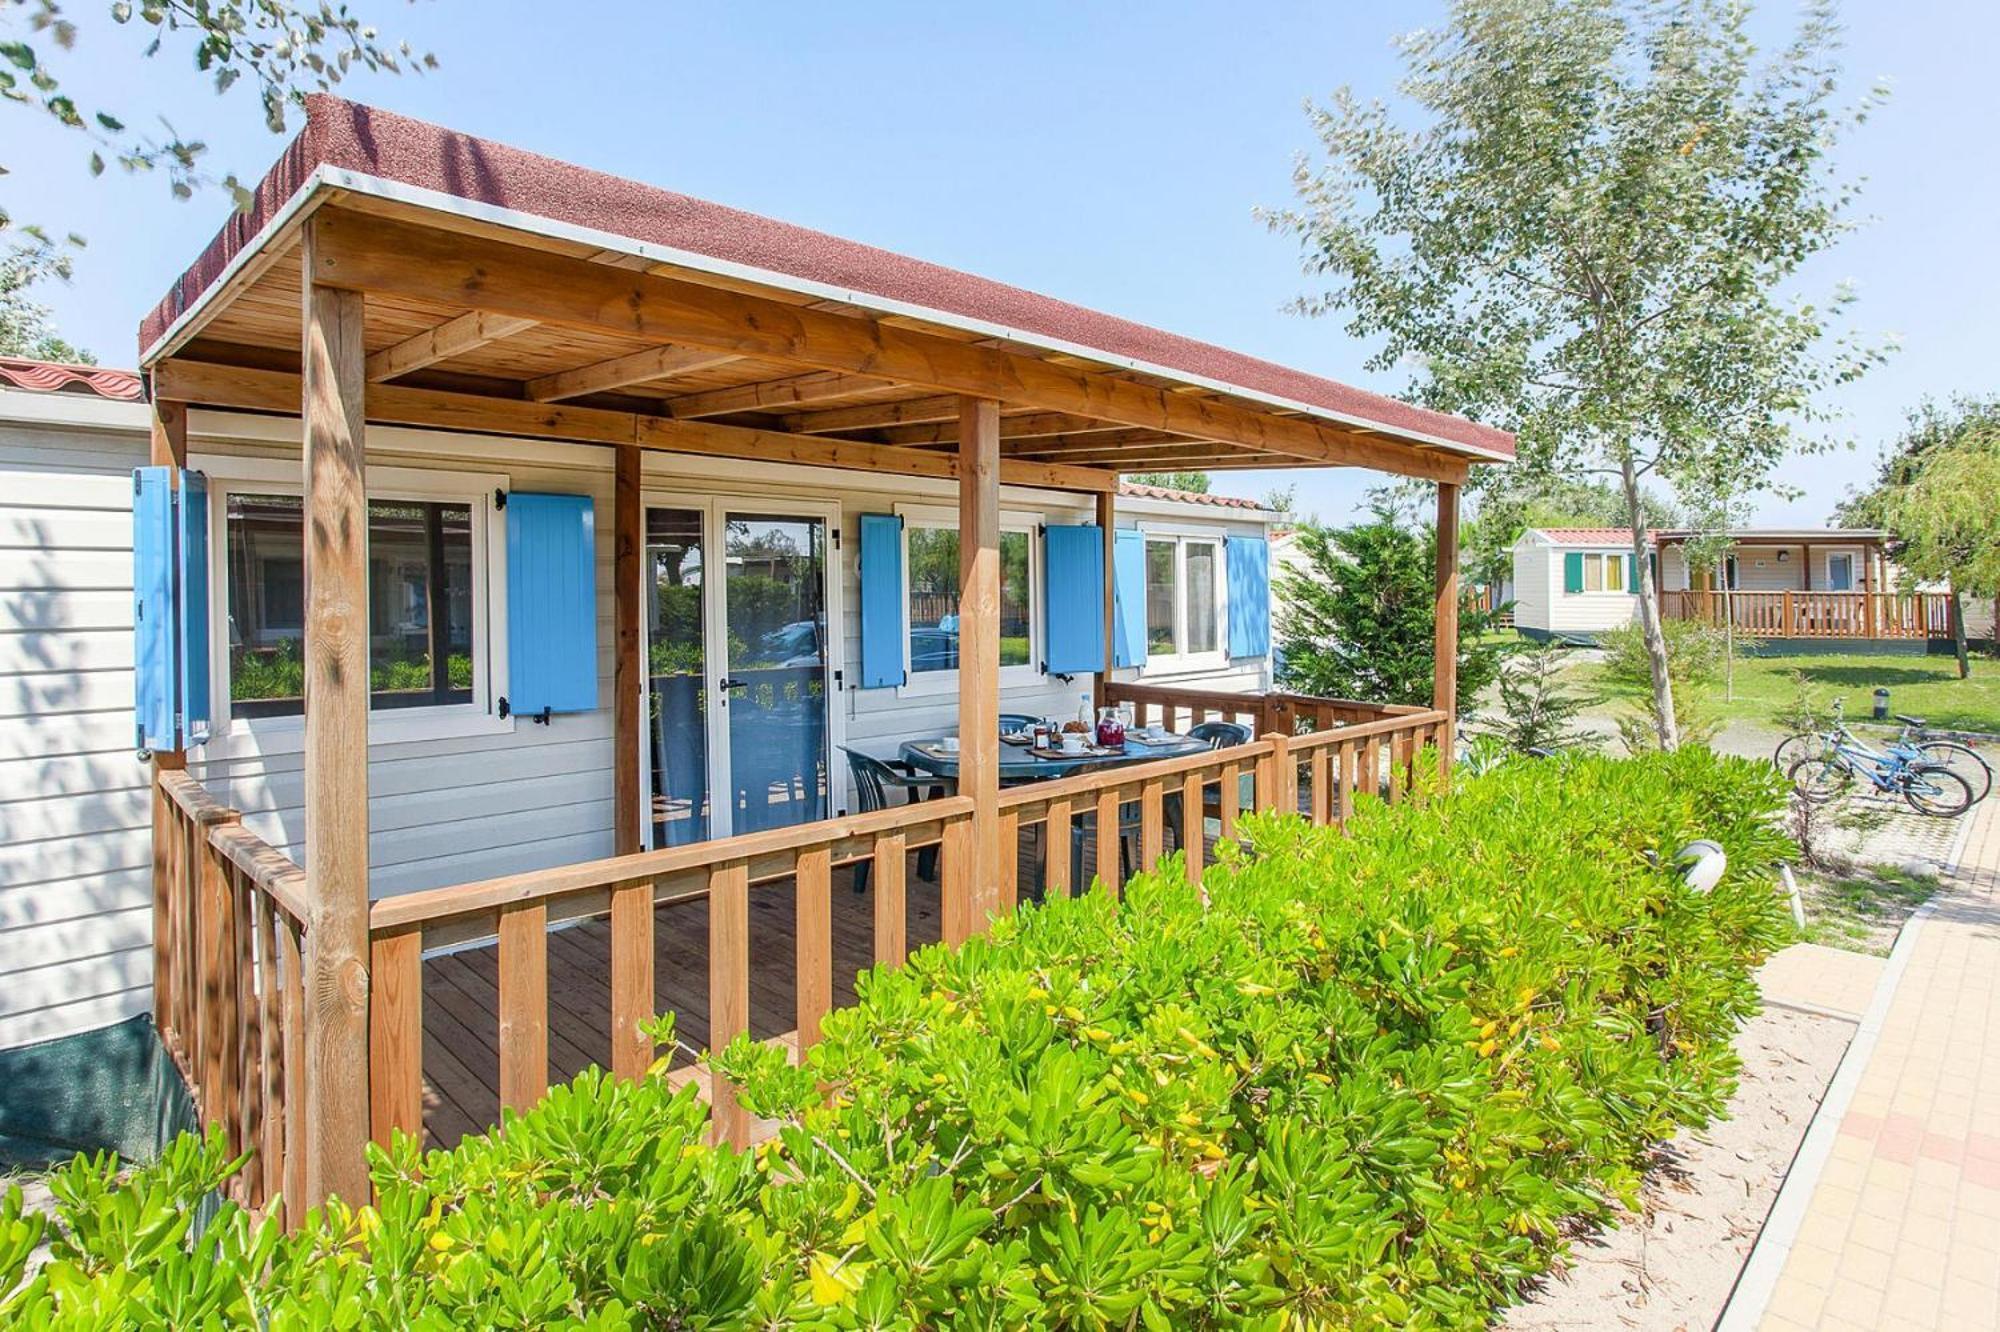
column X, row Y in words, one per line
column 741, row 657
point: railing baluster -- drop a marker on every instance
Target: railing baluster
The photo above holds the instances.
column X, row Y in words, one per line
column 1346, row 780
column 290, row 1103
column 1010, row 862
column 813, row 904
column 1152, row 823
column 1109, row 840
column 955, row 882
column 631, row 977
column 1321, row 797
column 728, row 989
column 1193, row 823
column 1231, row 792
column 251, row 952
column 1399, row 763
column 891, row 919
column 1055, row 848
column 524, row 1005
column 396, row 1033
column 221, row 1015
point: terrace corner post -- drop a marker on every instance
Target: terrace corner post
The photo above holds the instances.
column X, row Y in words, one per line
column 973, row 895
column 1107, row 523
column 1444, row 677
column 336, row 741
column 169, row 449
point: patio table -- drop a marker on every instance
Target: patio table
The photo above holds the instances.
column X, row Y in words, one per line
column 1017, row 764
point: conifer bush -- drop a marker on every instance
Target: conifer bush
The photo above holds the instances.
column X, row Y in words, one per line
column 1351, row 1081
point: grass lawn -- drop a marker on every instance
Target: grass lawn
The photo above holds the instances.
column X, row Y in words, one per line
column 1863, row 909
column 1926, row 687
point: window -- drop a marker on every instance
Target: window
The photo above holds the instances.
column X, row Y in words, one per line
column 1604, row 573
column 1183, row 599
column 930, row 563
column 420, row 603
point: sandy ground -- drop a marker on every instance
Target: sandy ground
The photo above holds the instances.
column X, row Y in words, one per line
column 1671, row 1266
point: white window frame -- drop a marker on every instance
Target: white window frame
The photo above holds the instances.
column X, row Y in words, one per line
column 1603, row 562
column 923, row 684
column 233, row 736
column 1181, row 661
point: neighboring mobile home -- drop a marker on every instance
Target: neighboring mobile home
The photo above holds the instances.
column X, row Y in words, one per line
column 1792, row 589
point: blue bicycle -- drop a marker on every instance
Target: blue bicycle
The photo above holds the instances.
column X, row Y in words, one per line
column 1929, row 788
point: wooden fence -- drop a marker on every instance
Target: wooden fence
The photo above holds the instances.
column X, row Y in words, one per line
column 229, row 937
column 1818, row 614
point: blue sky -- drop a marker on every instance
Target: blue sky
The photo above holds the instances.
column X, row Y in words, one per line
column 1109, row 154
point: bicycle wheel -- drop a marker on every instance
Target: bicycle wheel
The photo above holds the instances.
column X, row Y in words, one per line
column 1964, row 762
column 1802, row 744
column 1820, row 778
column 1938, row 792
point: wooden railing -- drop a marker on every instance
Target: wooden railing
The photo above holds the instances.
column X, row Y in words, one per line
column 521, row 908
column 229, row 921
column 1787, row 614
column 232, row 912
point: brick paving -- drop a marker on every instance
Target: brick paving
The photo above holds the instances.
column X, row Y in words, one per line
column 1901, row 1228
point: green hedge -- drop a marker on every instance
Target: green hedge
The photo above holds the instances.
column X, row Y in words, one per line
column 1355, row 1081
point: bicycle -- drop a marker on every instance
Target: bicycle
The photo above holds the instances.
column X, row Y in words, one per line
column 1928, row 788
column 1916, row 742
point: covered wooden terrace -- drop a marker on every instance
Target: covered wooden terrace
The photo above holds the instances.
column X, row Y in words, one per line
column 393, row 273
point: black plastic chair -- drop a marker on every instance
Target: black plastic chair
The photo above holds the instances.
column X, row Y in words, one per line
column 874, row 779
column 1219, row 735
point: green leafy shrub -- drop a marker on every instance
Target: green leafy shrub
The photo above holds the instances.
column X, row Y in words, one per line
column 1357, row 1082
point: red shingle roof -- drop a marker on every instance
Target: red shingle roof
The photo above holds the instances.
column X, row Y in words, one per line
column 366, row 142
column 51, row 377
column 1139, row 491
column 1591, row 536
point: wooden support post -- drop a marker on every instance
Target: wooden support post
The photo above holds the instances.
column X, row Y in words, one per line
column 1870, row 592
column 628, row 675
column 1107, row 523
column 336, row 742
column 966, row 911
column 1444, row 679
column 631, row 977
column 169, row 449
column 396, row 1035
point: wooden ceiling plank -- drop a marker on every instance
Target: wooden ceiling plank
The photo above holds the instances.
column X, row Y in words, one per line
column 773, row 394
column 636, row 368
column 466, row 332
column 393, row 257
column 207, row 384
column 874, row 415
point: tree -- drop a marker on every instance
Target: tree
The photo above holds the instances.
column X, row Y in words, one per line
column 286, row 49
column 26, row 327
column 1359, row 621
column 1584, row 239
column 1194, row 483
column 1948, row 521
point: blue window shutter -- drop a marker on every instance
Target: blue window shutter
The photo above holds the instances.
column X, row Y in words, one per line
column 551, row 604
column 1249, row 597
column 1073, row 599
column 1573, row 571
column 153, row 607
column 1128, row 561
column 881, row 600
column 193, row 589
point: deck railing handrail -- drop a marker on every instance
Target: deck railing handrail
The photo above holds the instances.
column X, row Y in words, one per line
column 1797, row 613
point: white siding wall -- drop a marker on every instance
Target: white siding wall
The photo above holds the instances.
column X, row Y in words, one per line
column 75, row 915
column 75, row 835
column 1532, row 561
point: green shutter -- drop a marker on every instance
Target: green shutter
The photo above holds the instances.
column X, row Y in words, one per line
column 1573, row 571
column 1632, row 574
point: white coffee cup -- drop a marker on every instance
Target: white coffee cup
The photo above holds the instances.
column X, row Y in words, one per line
column 949, row 744
column 1072, row 742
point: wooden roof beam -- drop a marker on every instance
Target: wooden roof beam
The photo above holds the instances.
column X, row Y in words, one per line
column 772, row 394
column 428, row 263
column 876, row 415
column 207, row 384
column 464, row 333
column 1029, row 426
column 621, row 371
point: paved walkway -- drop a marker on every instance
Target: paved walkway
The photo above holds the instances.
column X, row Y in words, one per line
column 1892, row 1219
